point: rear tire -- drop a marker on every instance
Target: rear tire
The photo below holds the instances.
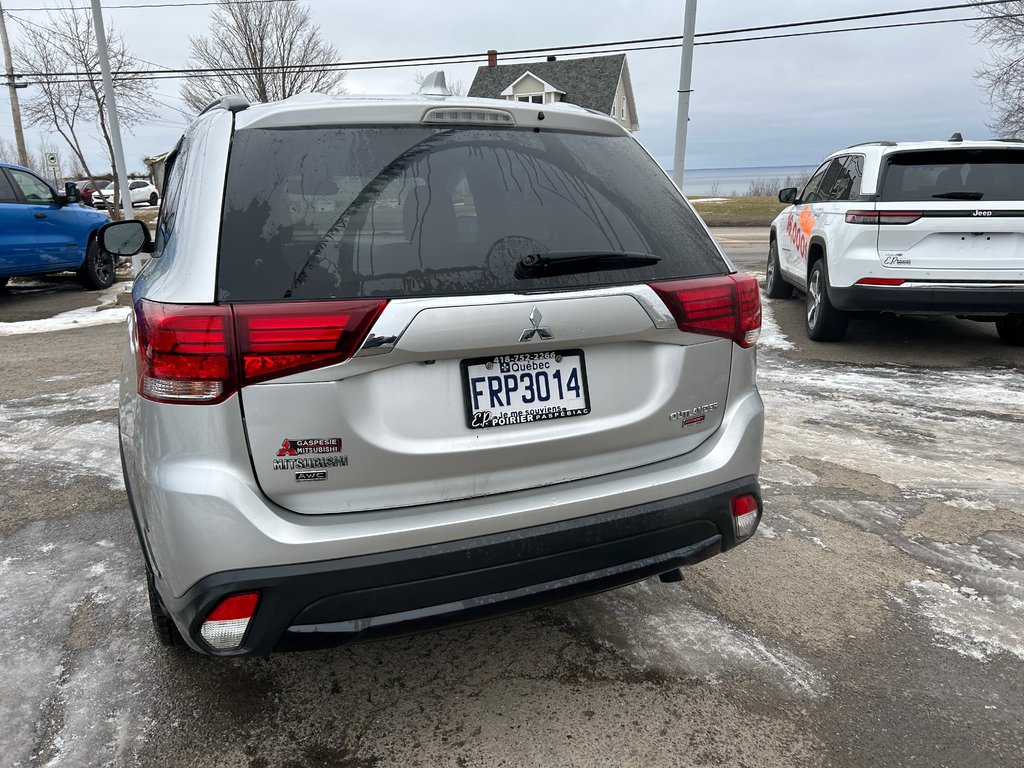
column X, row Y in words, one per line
column 775, row 286
column 824, row 321
column 1011, row 330
column 98, row 271
column 153, row 199
column 163, row 626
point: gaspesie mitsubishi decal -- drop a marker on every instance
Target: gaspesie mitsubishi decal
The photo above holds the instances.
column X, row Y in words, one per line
column 294, row 447
column 799, row 228
column 308, row 454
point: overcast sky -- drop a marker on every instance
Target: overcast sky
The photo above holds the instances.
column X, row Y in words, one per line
column 767, row 103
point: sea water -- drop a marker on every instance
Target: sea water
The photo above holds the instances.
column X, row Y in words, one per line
column 699, row 182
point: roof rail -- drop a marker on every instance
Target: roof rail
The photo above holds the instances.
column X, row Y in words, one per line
column 878, row 143
column 1010, row 140
column 233, row 102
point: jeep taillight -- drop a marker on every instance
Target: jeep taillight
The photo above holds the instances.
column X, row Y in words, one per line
column 728, row 306
column 204, row 353
column 882, row 217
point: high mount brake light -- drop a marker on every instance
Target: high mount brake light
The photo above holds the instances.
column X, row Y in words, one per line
column 882, row 217
column 204, row 353
column 728, row 306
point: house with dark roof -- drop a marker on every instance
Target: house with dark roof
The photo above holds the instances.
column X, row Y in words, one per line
column 600, row 83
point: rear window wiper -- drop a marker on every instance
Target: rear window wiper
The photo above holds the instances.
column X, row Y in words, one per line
column 573, row 262
column 960, row 195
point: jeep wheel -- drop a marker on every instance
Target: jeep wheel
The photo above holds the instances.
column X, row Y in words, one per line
column 775, row 287
column 163, row 625
column 1011, row 330
column 824, row 321
column 98, row 269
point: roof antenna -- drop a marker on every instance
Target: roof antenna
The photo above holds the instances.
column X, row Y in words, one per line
column 956, row 137
column 434, row 85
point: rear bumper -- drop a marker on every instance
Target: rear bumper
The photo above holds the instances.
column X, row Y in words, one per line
column 960, row 298
column 332, row 602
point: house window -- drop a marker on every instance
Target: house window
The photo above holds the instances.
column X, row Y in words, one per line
column 614, row 112
column 536, row 98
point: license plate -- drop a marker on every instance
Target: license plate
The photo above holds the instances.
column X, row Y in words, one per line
column 521, row 389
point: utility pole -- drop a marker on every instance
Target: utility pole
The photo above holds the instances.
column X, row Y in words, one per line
column 12, row 87
column 683, row 110
column 115, row 127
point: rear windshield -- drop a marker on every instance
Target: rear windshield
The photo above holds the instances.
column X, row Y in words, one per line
column 961, row 174
column 318, row 213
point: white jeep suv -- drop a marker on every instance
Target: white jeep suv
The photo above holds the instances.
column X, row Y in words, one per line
column 911, row 228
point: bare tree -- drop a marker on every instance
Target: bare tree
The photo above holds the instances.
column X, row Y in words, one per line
column 277, row 44
column 8, row 152
column 75, row 106
column 1002, row 73
column 455, row 86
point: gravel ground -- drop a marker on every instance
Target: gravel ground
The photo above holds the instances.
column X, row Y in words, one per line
column 877, row 618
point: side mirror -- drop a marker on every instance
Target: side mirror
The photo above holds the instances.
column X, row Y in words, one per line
column 72, row 193
column 125, row 238
column 788, row 195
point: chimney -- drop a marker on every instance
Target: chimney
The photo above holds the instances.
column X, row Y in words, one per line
column 492, row 58
column 551, row 58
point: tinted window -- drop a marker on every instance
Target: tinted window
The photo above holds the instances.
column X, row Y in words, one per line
column 810, row 194
column 421, row 211
column 848, row 183
column 34, row 190
column 137, row 185
column 6, row 190
column 961, row 174
column 173, row 182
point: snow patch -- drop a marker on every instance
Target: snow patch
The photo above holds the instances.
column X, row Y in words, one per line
column 34, row 433
column 75, row 318
column 772, row 336
column 973, row 626
column 659, row 628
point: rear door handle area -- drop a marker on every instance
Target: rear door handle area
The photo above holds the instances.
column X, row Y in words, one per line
column 40, row 215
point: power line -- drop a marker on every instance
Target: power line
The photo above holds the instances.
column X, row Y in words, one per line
column 158, row 5
column 467, row 58
column 359, row 66
column 584, row 49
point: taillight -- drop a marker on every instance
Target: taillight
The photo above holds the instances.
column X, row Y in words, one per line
column 204, row 353
column 185, row 352
column 882, row 217
column 745, row 513
column 728, row 306
column 279, row 339
column 880, row 281
column 226, row 625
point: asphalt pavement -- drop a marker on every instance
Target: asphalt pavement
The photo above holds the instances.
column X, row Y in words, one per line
column 876, row 619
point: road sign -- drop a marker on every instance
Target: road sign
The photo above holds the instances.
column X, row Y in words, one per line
column 51, row 159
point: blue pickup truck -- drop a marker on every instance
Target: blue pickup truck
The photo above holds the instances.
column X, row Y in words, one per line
column 43, row 231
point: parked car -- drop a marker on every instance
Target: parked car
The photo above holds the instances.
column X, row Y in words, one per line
column 86, row 188
column 910, row 228
column 143, row 192
column 42, row 231
column 447, row 414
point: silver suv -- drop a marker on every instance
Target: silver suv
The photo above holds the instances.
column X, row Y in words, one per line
column 402, row 362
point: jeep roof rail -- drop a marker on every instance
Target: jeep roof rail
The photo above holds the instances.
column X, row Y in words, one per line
column 876, row 143
column 233, row 102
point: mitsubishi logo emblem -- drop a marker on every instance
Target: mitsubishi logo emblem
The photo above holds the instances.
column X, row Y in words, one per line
column 538, row 329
